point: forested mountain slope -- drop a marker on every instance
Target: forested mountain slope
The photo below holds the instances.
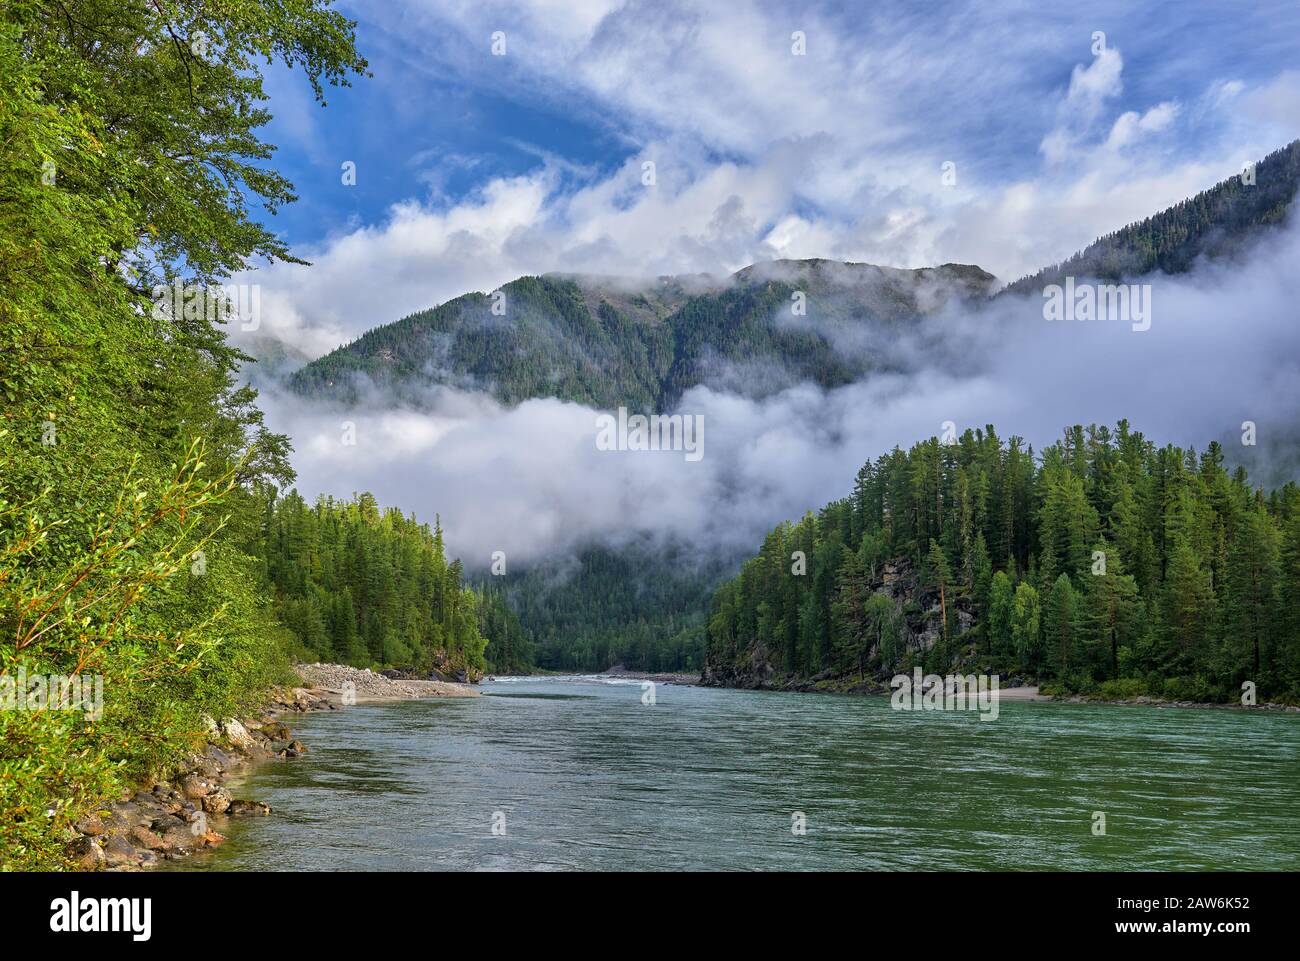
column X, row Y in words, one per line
column 361, row 585
column 1107, row 563
column 1214, row 223
column 608, row 343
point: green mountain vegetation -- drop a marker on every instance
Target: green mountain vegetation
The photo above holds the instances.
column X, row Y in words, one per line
column 1214, row 223
column 641, row 607
column 606, row 344
column 143, row 542
column 611, row 343
column 1106, row 565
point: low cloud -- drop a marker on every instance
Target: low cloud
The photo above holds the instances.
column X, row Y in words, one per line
column 1223, row 348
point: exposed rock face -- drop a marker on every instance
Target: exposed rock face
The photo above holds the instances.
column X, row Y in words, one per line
column 922, row 617
column 920, row 621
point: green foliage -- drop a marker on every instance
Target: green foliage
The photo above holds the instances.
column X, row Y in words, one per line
column 129, row 158
column 1026, row 634
column 1203, row 606
column 112, row 593
column 365, row 586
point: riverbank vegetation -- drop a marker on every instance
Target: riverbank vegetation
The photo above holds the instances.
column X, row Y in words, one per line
column 360, row 585
column 1104, row 565
column 141, row 529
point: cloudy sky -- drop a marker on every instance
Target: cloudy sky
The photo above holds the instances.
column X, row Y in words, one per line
column 1055, row 126
column 474, row 168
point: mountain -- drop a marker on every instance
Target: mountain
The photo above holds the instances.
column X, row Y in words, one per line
column 609, row 342
column 1215, row 223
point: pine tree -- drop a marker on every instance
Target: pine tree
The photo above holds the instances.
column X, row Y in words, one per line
column 1062, row 627
column 1001, row 615
column 1026, row 624
column 1253, row 567
column 1187, row 610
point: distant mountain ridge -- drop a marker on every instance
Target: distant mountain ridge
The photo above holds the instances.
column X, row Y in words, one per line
column 609, row 342
column 1214, row 223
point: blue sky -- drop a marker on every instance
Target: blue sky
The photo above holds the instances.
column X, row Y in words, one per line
column 473, row 169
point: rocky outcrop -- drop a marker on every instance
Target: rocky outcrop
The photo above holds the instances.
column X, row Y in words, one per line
column 920, row 623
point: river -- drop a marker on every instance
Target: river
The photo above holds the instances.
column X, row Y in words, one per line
column 578, row 773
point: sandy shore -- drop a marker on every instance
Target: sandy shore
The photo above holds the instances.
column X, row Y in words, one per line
column 1025, row 693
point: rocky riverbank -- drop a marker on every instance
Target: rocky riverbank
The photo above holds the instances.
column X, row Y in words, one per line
column 175, row 818
column 350, row 685
column 181, row 816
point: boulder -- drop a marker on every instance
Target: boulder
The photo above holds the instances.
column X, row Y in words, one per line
column 85, row 853
column 90, row 825
column 218, row 802
column 146, row 839
column 195, row 787
column 241, row 808
column 237, row 735
column 177, row 837
column 276, row 731
column 118, row 852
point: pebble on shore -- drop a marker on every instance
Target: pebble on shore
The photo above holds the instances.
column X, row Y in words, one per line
column 173, row 819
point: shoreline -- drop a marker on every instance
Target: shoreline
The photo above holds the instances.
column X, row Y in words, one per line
column 369, row 687
column 1027, row 693
column 182, row 816
column 683, row 678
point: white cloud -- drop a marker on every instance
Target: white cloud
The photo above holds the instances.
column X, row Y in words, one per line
column 762, row 154
column 529, row 480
